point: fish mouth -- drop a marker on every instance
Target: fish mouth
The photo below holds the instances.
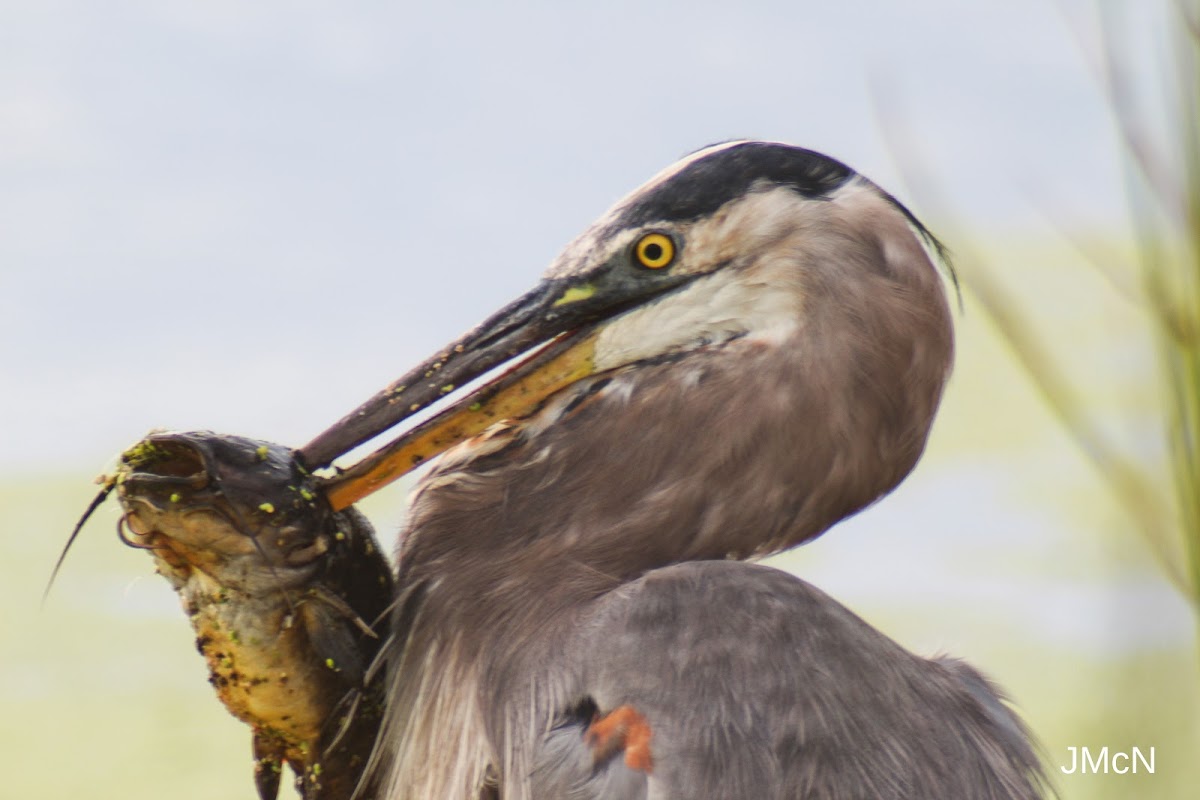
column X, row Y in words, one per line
column 161, row 466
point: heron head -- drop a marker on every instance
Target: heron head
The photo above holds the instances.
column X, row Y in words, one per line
column 741, row 239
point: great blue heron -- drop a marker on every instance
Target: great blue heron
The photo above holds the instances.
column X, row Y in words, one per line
column 745, row 350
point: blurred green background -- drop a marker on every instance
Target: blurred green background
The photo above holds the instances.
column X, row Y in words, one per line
column 235, row 218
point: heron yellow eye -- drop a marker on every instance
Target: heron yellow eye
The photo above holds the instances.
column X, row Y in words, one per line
column 655, row 251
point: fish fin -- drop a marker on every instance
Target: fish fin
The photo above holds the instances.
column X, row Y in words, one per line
column 333, row 640
column 268, row 765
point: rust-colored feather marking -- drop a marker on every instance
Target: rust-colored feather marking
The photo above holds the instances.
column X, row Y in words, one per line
column 621, row 730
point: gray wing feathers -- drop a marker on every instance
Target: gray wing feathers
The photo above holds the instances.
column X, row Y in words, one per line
column 757, row 685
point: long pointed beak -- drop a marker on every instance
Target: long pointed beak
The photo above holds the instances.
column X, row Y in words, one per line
column 558, row 314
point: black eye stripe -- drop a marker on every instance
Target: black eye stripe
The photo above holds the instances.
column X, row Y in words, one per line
column 702, row 187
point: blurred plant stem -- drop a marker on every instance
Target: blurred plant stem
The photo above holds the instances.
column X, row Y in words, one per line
column 1173, row 283
column 1163, row 181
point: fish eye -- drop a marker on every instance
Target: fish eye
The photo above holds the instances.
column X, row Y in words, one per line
column 654, row 250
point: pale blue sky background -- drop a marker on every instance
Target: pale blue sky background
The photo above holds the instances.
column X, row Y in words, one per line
column 235, row 215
